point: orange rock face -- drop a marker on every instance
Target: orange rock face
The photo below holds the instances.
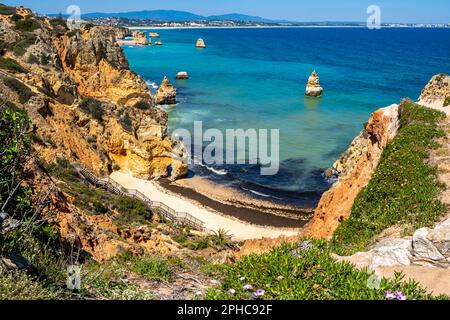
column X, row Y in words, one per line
column 354, row 169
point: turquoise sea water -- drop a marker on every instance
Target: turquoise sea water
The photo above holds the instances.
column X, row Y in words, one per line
column 255, row 78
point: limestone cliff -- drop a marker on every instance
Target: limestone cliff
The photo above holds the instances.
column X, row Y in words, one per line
column 354, row 170
column 85, row 103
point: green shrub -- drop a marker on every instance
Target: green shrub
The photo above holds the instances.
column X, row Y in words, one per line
column 305, row 271
column 105, row 281
column 93, row 108
column 18, row 87
column 28, row 24
column 142, row 105
column 447, row 102
column 21, row 46
column 58, row 22
column 16, row 17
column 7, row 10
column 12, row 65
column 18, row 285
column 404, row 188
column 126, row 122
column 152, row 268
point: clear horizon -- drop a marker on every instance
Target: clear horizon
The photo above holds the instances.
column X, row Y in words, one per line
column 402, row 11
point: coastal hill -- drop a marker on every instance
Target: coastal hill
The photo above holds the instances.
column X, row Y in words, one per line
column 174, row 15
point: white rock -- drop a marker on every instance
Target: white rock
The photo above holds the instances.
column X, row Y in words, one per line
column 392, row 252
column 424, row 248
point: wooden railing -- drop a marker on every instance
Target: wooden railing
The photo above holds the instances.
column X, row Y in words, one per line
column 179, row 218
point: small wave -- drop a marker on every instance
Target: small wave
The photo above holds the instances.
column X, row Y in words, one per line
column 152, row 85
column 261, row 194
column 130, row 46
column 220, row 172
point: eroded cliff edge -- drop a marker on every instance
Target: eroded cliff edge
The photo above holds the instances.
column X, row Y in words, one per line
column 354, row 170
column 85, row 103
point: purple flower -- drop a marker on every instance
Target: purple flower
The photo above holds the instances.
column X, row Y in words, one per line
column 400, row 296
column 248, row 287
column 232, row 291
column 390, row 295
column 258, row 293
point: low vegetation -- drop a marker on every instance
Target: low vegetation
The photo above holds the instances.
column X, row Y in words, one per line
column 11, row 65
column 92, row 107
column 404, row 188
column 18, row 285
column 219, row 240
column 24, row 93
column 142, row 105
column 28, row 24
column 447, row 102
column 306, row 271
column 96, row 201
column 7, row 10
column 21, row 46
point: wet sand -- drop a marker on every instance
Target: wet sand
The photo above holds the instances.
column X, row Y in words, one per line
column 257, row 215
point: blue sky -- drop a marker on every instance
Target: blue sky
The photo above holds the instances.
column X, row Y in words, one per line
column 295, row 10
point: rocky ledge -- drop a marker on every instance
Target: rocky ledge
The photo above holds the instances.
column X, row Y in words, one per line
column 437, row 92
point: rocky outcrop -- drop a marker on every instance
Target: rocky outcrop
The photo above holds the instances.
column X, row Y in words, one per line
column 313, row 88
column 182, row 75
column 166, row 93
column 200, row 44
column 354, row 171
column 85, row 103
column 437, row 92
column 140, row 38
column 427, row 248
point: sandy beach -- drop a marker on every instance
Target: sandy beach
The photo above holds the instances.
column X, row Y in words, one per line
column 213, row 220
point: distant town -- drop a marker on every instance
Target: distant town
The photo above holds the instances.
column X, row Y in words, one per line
column 126, row 22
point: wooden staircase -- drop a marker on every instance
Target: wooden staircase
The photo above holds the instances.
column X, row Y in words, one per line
column 178, row 218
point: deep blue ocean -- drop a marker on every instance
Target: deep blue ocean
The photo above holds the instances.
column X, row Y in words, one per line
column 256, row 78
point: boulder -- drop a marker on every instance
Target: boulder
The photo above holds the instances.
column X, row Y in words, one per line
column 423, row 248
column 166, row 93
column 392, row 252
column 182, row 75
column 313, row 88
column 200, row 44
column 13, row 262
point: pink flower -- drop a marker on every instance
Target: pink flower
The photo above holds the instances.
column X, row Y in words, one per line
column 258, row 293
column 248, row 287
column 390, row 295
column 232, row 291
column 400, row 296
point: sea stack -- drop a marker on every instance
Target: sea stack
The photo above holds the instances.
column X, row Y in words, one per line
column 200, row 44
column 182, row 75
column 313, row 89
column 140, row 38
column 166, row 93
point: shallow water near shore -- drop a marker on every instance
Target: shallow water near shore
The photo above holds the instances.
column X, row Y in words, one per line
column 255, row 78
